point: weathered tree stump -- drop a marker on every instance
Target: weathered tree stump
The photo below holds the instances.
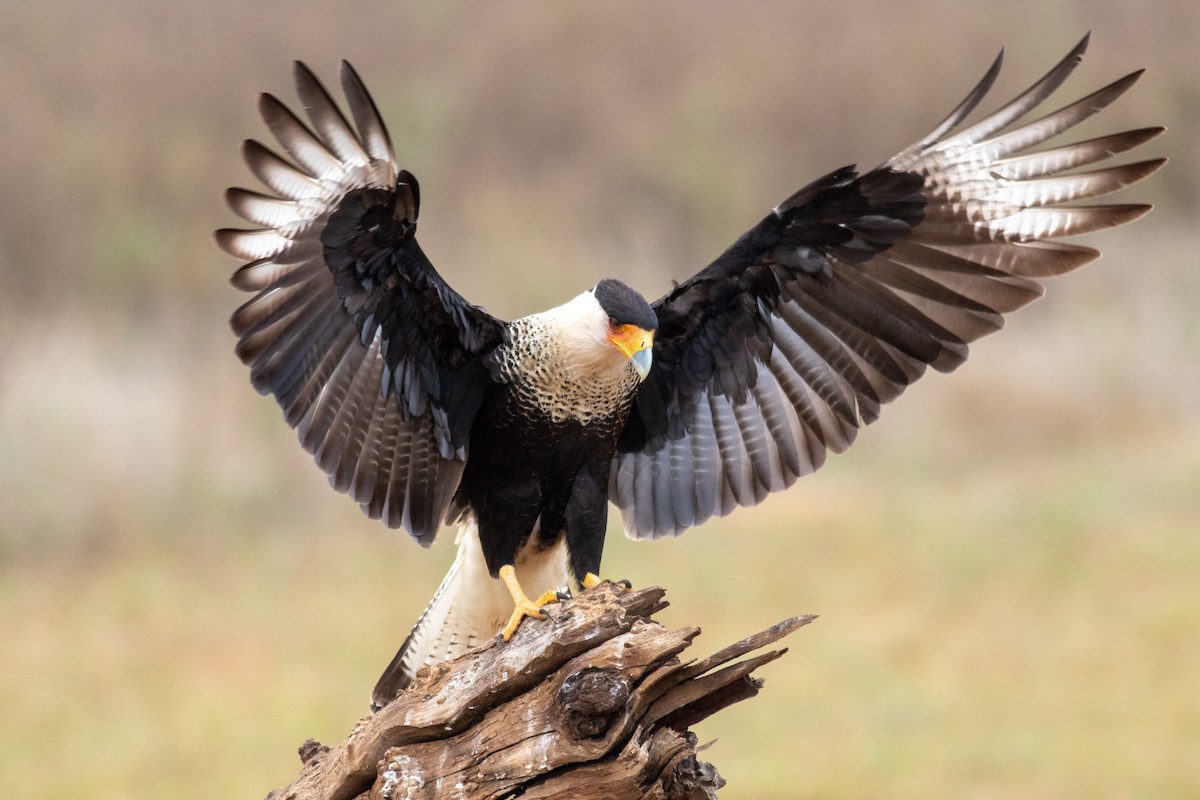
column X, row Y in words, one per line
column 591, row 703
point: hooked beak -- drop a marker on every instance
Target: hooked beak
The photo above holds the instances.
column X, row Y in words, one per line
column 641, row 361
column 636, row 345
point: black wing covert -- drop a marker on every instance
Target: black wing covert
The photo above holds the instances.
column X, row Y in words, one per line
column 370, row 354
column 832, row 305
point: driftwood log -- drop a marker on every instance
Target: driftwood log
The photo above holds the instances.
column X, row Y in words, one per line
column 591, row 703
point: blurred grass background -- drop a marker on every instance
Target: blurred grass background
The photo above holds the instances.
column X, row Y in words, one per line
column 1006, row 564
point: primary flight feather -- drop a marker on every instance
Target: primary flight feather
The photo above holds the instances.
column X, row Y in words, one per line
column 428, row 410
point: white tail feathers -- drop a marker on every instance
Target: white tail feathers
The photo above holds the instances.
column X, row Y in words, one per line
column 468, row 609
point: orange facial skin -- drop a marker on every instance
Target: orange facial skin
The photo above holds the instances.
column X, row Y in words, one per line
column 630, row 339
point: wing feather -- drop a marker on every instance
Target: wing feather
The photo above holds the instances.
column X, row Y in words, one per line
column 778, row 351
column 706, row 465
column 365, row 482
column 333, row 130
column 355, row 438
column 680, row 473
column 1015, row 108
column 779, row 415
column 278, row 175
column 837, row 374
column 301, row 392
column 1051, row 125
column 310, row 153
column 1080, row 154
column 373, row 132
column 373, row 358
column 732, row 449
column 349, row 388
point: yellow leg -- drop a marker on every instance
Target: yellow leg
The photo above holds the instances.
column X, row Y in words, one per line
column 524, row 606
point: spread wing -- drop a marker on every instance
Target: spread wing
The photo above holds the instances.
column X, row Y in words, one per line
column 831, row 306
column 371, row 355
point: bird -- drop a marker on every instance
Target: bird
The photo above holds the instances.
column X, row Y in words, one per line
column 429, row 411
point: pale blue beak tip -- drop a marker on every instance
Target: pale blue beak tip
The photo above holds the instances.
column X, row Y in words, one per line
column 642, row 360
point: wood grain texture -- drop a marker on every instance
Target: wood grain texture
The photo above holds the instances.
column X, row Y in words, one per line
column 594, row 702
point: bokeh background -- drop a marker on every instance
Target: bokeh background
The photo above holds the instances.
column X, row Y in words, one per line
column 1006, row 565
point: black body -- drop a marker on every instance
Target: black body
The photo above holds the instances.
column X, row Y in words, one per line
column 528, row 472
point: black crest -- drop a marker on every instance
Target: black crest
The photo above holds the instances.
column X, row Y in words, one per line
column 624, row 306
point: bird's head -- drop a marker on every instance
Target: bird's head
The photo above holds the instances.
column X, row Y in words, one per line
column 606, row 330
column 631, row 323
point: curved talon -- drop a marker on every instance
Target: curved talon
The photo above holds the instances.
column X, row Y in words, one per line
column 562, row 596
column 548, row 596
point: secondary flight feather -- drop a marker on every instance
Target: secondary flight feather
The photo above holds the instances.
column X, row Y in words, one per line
column 428, row 410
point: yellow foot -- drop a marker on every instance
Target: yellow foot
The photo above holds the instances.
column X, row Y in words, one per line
column 524, row 606
column 591, row 579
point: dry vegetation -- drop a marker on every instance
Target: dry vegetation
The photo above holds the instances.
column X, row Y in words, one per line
column 1005, row 565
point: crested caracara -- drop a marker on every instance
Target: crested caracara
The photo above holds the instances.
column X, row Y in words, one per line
column 428, row 410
